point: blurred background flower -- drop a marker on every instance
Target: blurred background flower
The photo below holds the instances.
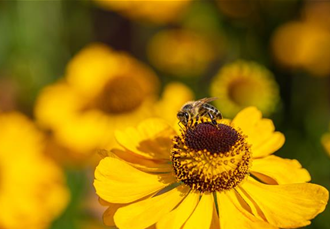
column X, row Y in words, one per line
column 192, row 56
column 305, row 43
column 242, row 84
column 29, row 198
column 103, row 91
column 79, row 70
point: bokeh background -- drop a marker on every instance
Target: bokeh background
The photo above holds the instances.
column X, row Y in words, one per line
column 271, row 54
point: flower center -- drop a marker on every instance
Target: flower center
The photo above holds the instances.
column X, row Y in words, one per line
column 121, row 95
column 244, row 92
column 207, row 136
column 210, row 157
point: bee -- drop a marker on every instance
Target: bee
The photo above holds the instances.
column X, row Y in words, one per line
column 196, row 109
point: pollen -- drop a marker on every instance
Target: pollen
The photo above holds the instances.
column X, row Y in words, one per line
column 209, row 157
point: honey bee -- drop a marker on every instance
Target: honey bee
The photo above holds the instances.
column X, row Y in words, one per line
column 196, row 109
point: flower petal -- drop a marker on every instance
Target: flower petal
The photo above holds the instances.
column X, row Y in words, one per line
column 326, row 142
column 142, row 163
column 247, row 119
column 269, row 146
column 215, row 223
column 109, row 214
column 117, row 182
column 233, row 215
column 276, row 170
column 177, row 217
column 145, row 213
column 202, row 216
column 287, row 205
column 260, row 132
column 151, row 139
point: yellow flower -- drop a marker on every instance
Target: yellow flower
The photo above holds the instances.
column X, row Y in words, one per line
column 209, row 176
column 32, row 189
column 326, row 142
column 303, row 45
column 158, row 12
column 242, row 84
column 103, row 90
column 192, row 56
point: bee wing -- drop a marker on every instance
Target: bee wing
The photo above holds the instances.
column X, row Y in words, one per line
column 204, row 100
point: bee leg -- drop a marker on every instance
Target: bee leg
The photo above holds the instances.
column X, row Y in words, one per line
column 214, row 122
column 196, row 121
column 179, row 123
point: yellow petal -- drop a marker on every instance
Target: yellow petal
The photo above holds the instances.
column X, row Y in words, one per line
column 247, row 119
column 117, row 182
column 276, row 170
column 202, row 216
column 56, row 104
column 177, row 217
column 269, row 146
column 287, row 205
column 142, row 163
column 215, row 223
column 109, row 214
column 260, row 132
column 89, row 70
column 145, row 213
column 326, row 142
column 151, row 139
column 233, row 215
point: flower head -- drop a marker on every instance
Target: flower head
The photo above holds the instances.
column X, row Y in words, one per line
column 303, row 45
column 32, row 187
column 102, row 90
column 242, row 84
column 207, row 176
column 326, row 142
column 193, row 52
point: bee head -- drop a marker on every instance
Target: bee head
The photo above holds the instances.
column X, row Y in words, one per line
column 183, row 116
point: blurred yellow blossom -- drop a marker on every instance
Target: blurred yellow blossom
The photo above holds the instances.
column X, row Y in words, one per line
column 32, row 187
column 181, row 52
column 155, row 11
column 103, row 90
column 200, row 178
column 326, row 142
column 241, row 84
column 303, row 45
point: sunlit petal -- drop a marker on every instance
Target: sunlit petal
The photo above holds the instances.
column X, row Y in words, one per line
column 110, row 212
column 233, row 215
column 151, row 139
column 269, row 146
column 276, row 170
column 260, row 132
column 177, row 217
column 118, row 182
column 202, row 216
column 287, row 205
column 147, row 212
column 142, row 163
